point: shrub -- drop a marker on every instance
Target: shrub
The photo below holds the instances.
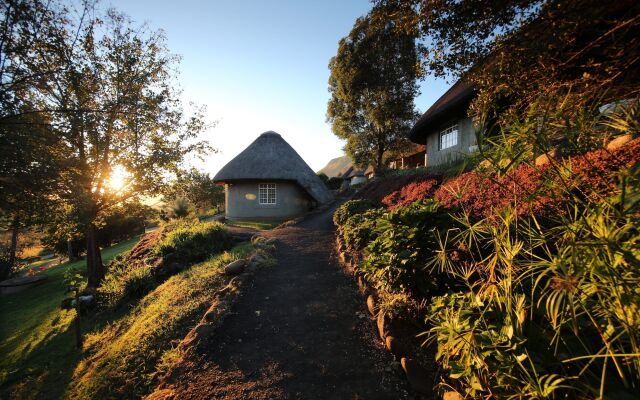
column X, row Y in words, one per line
column 543, row 191
column 138, row 282
column 484, row 194
column 359, row 229
column 574, row 288
column 377, row 189
column 194, row 241
column 350, row 208
column 132, row 275
column 418, row 190
column 119, row 224
column 397, row 260
column 593, row 174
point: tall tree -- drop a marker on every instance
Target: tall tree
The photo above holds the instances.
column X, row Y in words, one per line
column 29, row 162
column 373, row 84
column 126, row 116
column 107, row 91
column 521, row 52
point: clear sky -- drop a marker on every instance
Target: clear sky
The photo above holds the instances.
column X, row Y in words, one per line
column 259, row 66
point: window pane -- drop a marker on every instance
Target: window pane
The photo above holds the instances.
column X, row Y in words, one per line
column 449, row 137
column 267, row 193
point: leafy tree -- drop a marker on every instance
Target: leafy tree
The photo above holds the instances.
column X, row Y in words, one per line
column 552, row 53
column 373, row 84
column 197, row 188
column 105, row 88
column 29, row 163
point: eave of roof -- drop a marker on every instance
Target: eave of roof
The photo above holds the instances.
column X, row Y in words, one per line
column 454, row 103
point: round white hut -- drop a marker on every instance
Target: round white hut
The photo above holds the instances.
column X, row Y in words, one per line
column 269, row 181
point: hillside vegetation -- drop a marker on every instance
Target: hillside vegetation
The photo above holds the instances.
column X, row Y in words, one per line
column 125, row 358
column 524, row 275
column 154, row 292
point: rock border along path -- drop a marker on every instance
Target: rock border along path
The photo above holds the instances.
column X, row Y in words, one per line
column 299, row 332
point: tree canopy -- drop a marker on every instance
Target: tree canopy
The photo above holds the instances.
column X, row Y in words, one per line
column 524, row 52
column 373, row 84
column 103, row 87
column 197, row 187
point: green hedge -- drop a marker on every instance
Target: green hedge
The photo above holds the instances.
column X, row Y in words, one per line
column 186, row 242
column 349, row 209
column 359, row 229
column 193, row 241
column 406, row 239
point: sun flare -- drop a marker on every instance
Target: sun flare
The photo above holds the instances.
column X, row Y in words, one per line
column 118, row 178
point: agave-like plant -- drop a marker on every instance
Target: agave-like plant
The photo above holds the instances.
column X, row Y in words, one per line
column 550, row 309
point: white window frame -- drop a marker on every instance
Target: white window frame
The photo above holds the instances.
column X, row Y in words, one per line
column 267, row 194
column 448, row 137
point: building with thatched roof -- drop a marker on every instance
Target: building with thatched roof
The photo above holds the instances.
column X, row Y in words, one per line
column 269, row 180
column 445, row 129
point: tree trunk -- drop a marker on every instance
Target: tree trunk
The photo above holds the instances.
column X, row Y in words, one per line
column 15, row 230
column 70, row 250
column 379, row 155
column 95, row 269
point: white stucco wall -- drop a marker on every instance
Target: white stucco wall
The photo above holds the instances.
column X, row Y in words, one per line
column 242, row 201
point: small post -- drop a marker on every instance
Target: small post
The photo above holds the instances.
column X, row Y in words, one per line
column 77, row 320
column 73, row 280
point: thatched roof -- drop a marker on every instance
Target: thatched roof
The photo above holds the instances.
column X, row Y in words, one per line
column 270, row 157
column 453, row 104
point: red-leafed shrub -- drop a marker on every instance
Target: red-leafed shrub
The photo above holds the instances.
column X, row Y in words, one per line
column 482, row 194
column 414, row 191
column 540, row 190
column 594, row 172
column 378, row 189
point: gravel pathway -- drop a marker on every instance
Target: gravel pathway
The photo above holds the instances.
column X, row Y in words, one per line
column 299, row 332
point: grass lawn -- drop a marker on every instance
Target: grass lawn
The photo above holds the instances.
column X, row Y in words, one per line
column 258, row 225
column 36, row 337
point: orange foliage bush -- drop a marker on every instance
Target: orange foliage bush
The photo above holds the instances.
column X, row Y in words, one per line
column 538, row 190
column 411, row 192
column 378, row 189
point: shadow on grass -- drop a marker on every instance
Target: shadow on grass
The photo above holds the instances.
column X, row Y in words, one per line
column 36, row 339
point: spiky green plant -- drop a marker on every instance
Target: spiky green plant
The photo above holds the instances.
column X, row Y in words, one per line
column 551, row 308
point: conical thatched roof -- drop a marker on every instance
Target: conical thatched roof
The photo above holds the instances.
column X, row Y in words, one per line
column 271, row 157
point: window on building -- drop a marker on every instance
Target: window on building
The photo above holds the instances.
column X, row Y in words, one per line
column 448, row 137
column 267, row 193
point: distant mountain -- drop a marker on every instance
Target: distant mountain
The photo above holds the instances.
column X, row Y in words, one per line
column 336, row 166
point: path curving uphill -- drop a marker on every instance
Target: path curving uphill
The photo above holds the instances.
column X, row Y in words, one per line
column 297, row 333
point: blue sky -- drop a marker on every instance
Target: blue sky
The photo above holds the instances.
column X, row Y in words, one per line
column 258, row 66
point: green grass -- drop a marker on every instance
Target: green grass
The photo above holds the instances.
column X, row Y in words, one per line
column 35, row 264
column 125, row 357
column 36, row 342
column 258, row 225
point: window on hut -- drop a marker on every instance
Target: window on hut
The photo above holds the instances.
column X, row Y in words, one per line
column 267, row 193
column 448, row 137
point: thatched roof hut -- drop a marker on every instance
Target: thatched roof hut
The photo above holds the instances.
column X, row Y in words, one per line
column 270, row 160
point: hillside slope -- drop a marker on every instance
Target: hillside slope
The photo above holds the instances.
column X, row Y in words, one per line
column 336, row 166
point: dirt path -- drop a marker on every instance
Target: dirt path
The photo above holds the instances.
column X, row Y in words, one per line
column 296, row 333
